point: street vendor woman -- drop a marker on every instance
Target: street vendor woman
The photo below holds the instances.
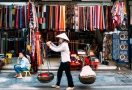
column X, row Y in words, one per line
column 65, row 60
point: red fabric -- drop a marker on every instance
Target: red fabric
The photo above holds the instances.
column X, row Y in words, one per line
column 45, row 75
column 87, row 61
column 29, row 12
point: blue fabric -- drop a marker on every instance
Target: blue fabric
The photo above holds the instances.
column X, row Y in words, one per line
column 20, row 16
column 18, row 69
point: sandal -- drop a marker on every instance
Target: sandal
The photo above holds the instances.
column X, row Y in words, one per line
column 55, row 86
column 15, row 76
column 19, row 77
column 70, row 88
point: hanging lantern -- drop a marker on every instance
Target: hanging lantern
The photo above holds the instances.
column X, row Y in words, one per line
column 45, row 77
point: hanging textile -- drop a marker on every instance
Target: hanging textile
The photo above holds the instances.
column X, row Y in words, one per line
column 91, row 20
column 44, row 17
column 107, row 47
column 23, row 17
column 116, row 49
column 75, row 18
column 13, row 16
column 62, row 18
column 26, row 15
column 57, row 18
column 1, row 12
column 29, row 9
column 17, row 17
column 101, row 19
column 34, row 17
column 39, row 16
column 38, row 51
column 10, row 17
column 5, row 16
column 20, row 17
column 110, row 23
column 47, row 16
column 70, row 16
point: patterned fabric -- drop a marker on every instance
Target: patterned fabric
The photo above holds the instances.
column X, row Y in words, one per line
column 107, row 47
column 35, row 20
column 13, row 16
column 76, row 19
column 31, row 15
column 116, row 49
column 70, row 16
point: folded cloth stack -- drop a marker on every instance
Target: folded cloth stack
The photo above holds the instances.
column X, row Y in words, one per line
column 87, row 71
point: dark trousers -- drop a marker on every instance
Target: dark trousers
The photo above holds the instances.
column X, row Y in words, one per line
column 64, row 66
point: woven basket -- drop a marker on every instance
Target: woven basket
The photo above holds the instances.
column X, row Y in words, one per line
column 45, row 79
column 87, row 79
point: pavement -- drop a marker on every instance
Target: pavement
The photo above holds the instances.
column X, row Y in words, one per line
column 104, row 79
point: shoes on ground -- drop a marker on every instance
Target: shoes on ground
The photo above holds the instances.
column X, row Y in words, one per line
column 70, row 88
column 55, row 86
column 15, row 76
column 19, row 77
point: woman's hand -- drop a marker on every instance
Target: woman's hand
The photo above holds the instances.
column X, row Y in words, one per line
column 48, row 44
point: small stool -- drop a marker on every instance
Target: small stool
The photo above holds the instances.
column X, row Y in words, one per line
column 27, row 71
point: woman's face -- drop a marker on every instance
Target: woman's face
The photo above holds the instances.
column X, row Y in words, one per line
column 20, row 55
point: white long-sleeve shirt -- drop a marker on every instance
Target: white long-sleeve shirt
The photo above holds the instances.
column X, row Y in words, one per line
column 64, row 49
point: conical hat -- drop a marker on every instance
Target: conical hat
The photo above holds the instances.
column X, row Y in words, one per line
column 63, row 36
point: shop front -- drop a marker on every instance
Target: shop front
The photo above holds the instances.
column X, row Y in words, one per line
column 97, row 30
